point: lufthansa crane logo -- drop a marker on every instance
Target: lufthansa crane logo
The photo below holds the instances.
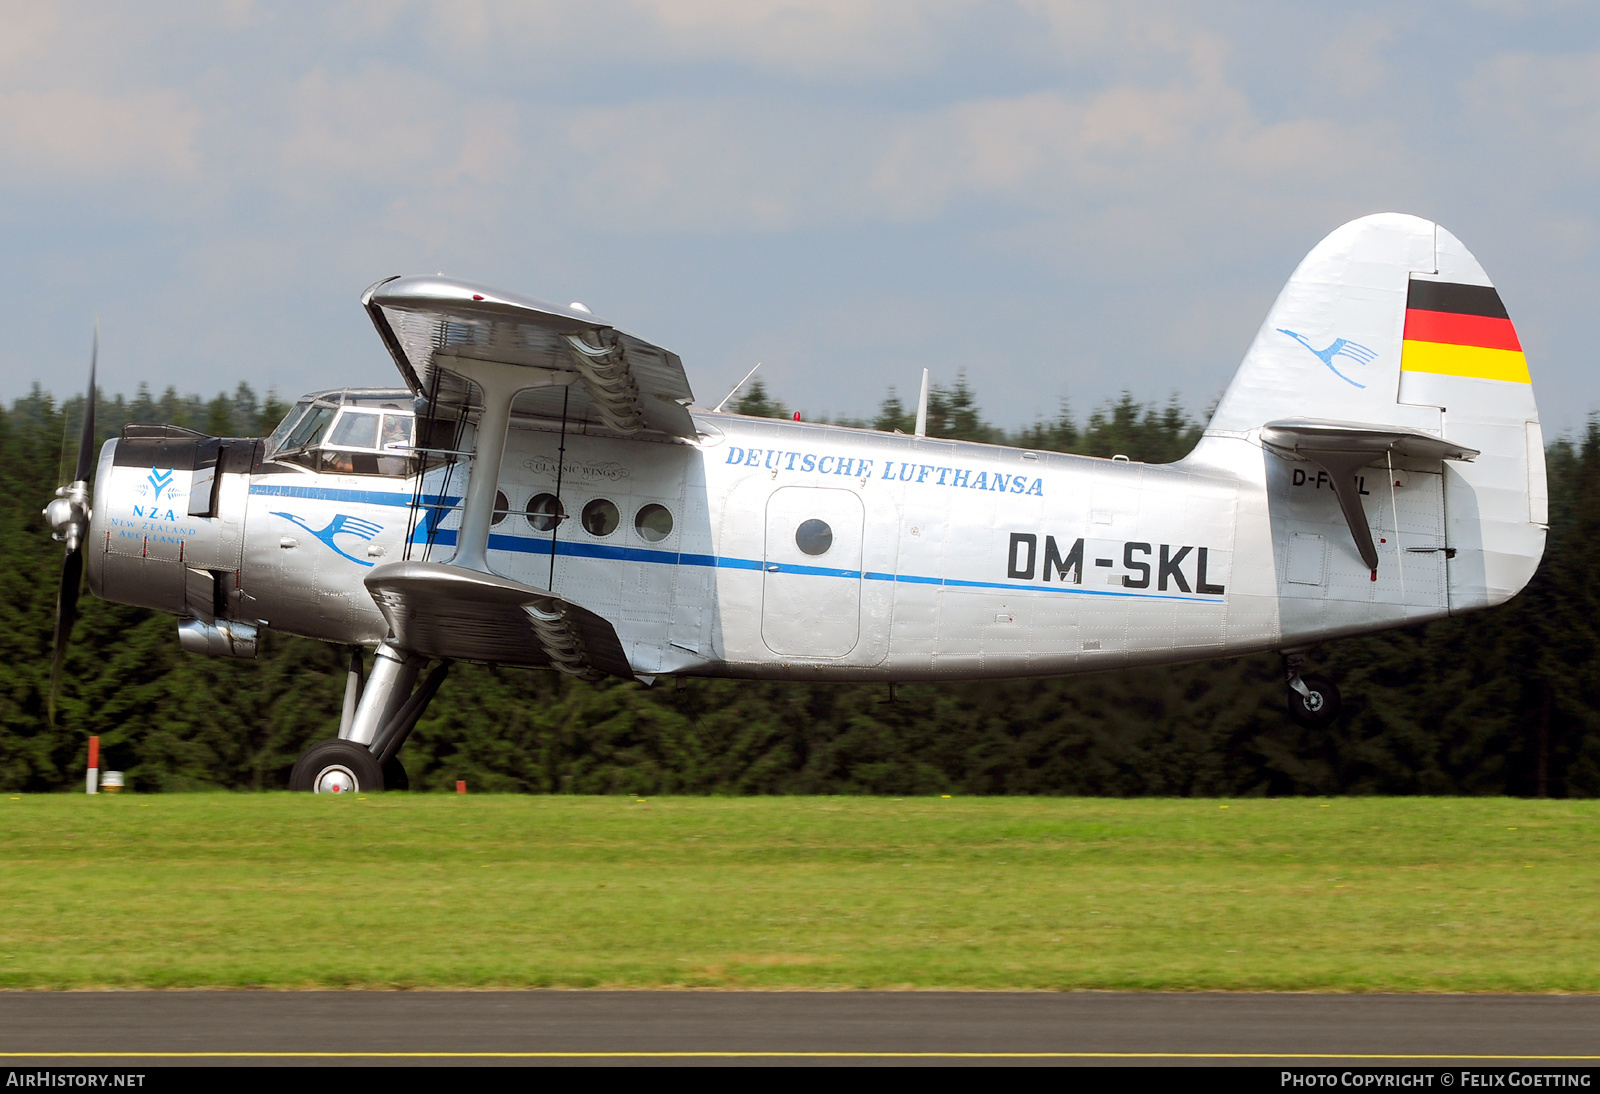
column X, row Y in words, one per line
column 1340, row 347
column 340, row 525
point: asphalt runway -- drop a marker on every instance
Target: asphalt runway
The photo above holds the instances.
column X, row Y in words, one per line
column 703, row 1027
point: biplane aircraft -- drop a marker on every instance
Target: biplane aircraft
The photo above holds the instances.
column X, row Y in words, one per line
column 543, row 491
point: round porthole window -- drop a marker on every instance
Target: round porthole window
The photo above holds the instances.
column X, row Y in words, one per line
column 544, row 512
column 814, row 537
column 654, row 523
column 600, row 517
column 501, row 508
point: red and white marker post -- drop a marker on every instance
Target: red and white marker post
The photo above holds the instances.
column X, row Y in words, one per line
column 92, row 782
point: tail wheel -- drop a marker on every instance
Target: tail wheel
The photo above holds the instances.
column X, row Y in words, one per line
column 337, row 767
column 1318, row 709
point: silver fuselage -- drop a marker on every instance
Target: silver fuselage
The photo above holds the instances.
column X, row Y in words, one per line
column 945, row 560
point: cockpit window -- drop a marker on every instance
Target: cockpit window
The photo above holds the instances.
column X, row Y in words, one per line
column 396, row 432
column 309, row 429
column 281, row 435
column 348, row 439
column 355, row 429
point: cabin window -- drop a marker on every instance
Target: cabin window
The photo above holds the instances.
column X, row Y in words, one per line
column 814, row 537
column 502, row 508
column 544, row 512
column 654, row 523
column 600, row 517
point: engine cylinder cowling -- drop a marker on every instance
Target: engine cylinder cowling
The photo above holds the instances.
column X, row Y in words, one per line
column 167, row 529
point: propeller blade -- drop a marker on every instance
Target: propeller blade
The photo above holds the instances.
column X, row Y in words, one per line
column 69, row 514
column 86, row 439
column 66, row 616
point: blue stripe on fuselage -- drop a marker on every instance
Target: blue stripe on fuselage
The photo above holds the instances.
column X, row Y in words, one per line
column 526, row 546
column 355, row 497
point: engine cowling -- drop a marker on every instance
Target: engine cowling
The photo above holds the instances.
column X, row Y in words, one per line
column 167, row 530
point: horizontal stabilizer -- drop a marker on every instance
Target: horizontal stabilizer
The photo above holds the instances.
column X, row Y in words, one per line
column 464, row 615
column 1302, row 435
column 1342, row 448
column 578, row 364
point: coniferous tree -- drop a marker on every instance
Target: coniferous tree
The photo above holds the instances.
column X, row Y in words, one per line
column 756, row 403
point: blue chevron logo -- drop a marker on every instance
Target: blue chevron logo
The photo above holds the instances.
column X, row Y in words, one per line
column 159, row 481
column 1354, row 351
column 340, row 525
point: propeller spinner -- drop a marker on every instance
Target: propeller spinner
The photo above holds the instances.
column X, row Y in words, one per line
column 68, row 517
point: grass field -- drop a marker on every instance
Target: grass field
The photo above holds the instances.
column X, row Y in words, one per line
column 292, row 891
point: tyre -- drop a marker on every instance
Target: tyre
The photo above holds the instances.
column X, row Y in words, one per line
column 336, row 767
column 1320, row 708
column 394, row 775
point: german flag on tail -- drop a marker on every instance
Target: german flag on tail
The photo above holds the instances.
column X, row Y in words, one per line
column 1460, row 330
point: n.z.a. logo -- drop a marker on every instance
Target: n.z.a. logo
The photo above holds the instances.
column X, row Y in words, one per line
column 157, row 482
column 1339, row 347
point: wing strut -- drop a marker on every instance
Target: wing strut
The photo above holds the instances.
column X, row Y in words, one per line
column 500, row 384
column 561, row 510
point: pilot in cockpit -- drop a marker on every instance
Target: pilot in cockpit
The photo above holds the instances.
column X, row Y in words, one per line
column 396, row 432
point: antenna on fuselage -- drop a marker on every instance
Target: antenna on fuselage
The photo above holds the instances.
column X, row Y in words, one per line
column 718, row 408
column 922, row 408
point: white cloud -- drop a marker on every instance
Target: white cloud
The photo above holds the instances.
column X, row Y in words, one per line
column 1542, row 102
column 1185, row 140
column 716, row 165
column 25, row 31
column 811, row 38
column 82, row 134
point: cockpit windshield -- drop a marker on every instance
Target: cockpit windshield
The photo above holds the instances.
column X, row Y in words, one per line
column 280, row 435
column 348, row 433
column 308, row 431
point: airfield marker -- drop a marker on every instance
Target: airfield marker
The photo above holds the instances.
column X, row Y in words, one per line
column 93, row 778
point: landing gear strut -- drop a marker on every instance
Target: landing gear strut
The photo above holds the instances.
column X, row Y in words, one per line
column 379, row 714
column 1313, row 699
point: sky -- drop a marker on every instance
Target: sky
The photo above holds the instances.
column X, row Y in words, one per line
column 1062, row 200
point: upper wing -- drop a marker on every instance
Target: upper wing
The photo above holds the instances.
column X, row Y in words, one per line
column 462, row 615
column 624, row 383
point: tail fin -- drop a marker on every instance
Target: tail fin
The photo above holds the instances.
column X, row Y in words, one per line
column 1391, row 324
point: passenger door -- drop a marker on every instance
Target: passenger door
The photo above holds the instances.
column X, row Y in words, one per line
column 811, row 588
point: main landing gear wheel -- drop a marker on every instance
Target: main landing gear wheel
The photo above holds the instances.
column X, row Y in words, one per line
column 1318, row 706
column 337, row 767
column 394, row 775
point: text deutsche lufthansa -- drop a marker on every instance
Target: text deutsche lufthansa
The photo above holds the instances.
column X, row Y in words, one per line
column 775, row 459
